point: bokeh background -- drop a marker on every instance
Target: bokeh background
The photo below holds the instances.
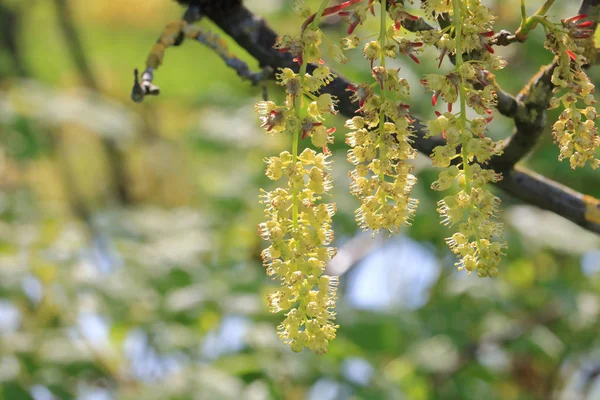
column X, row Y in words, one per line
column 129, row 258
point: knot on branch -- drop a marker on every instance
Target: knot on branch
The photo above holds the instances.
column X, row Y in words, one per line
column 143, row 88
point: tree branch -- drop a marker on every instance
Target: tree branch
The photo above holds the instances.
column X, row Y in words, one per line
column 253, row 34
column 530, row 118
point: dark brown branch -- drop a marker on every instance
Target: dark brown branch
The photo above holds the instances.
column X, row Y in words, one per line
column 504, row 38
column 592, row 9
column 530, row 118
column 547, row 194
column 417, row 25
column 253, row 34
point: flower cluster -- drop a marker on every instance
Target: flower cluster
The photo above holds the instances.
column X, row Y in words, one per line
column 574, row 131
column 298, row 227
column 380, row 137
column 476, row 32
column 473, row 209
column 298, row 222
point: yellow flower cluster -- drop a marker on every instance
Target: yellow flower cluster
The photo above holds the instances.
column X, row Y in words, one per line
column 380, row 138
column 473, row 209
column 298, row 251
column 381, row 180
column 298, row 223
column 575, row 131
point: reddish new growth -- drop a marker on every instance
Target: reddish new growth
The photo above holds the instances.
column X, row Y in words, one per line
column 451, row 82
column 408, row 48
column 576, row 29
column 484, row 37
column 362, row 93
column 271, row 120
column 330, row 11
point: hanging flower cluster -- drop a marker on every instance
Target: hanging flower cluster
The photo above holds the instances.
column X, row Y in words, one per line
column 473, row 209
column 575, row 130
column 298, row 221
column 380, row 137
column 298, row 218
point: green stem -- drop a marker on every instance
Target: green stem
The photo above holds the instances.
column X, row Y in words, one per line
column 296, row 141
column 528, row 24
column 461, row 87
column 297, row 108
column 382, row 155
column 456, row 5
column 319, row 14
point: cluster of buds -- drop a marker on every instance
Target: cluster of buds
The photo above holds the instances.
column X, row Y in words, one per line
column 574, row 131
column 380, row 137
column 298, row 221
column 473, row 209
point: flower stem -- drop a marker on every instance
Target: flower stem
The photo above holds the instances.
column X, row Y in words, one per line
column 297, row 107
column 382, row 153
column 456, row 5
column 528, row 24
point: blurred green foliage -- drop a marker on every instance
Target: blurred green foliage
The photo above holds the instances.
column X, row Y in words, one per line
column 163, row 297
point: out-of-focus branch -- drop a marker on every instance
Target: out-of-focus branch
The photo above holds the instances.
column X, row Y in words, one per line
column 173, row 35
column 10, row 21
column 71, row 37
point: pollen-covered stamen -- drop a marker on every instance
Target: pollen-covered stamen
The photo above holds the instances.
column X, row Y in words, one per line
column 330, row 132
